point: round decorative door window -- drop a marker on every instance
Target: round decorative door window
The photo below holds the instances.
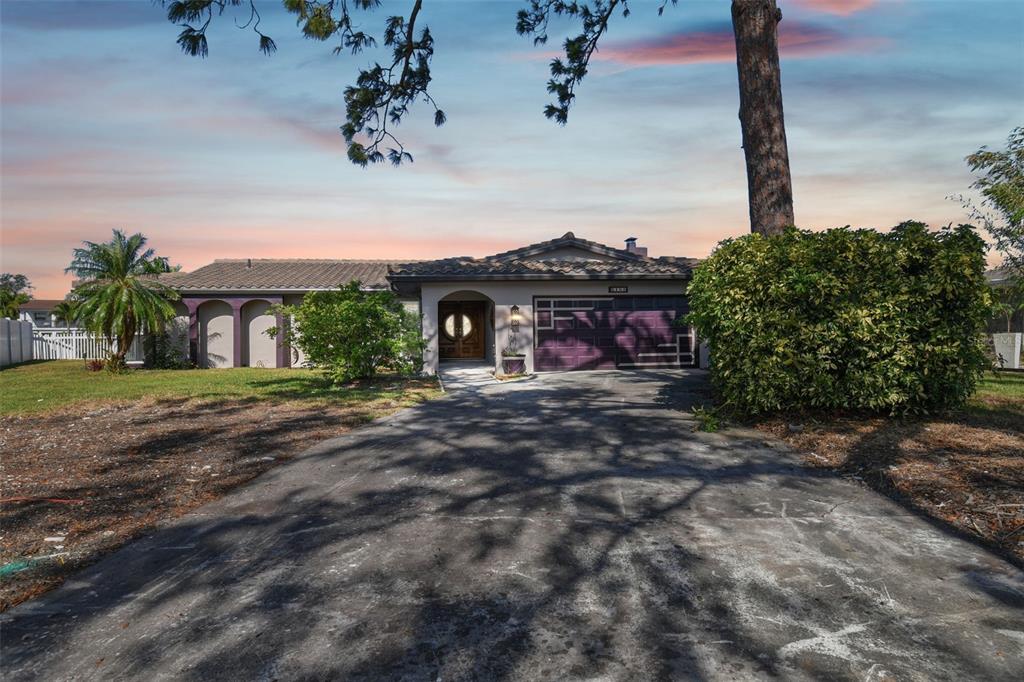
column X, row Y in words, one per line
column 450, row 329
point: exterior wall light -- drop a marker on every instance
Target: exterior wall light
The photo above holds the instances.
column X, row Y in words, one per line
column 515, row 318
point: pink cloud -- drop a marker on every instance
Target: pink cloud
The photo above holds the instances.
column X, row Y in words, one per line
column 50, row 81
column 841, row 7
column 796, row 40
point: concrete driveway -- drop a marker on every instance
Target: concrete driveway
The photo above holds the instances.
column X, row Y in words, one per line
column 565, row 527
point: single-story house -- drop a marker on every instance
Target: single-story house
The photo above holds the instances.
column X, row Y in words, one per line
column 225, row 305
column 39, row 311
column 566, row 304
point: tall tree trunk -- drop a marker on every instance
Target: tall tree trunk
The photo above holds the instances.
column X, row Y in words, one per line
column 769, row 187
column 124, row 342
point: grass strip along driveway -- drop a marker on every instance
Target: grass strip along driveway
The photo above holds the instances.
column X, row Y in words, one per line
column 964, row 469
column 91, row 460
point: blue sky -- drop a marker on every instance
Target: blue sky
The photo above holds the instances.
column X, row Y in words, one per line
column 106, row 124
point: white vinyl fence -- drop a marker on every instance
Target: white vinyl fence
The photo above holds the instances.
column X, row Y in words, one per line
column 55, row 343
column 15, row 342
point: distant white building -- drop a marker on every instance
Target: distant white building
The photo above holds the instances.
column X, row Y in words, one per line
column 39, row 311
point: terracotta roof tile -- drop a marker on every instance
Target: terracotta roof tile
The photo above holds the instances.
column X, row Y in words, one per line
column 528, row 262
column 280, row 274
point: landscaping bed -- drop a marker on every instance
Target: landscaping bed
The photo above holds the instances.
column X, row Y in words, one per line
column 964, row 469
column 81, row 479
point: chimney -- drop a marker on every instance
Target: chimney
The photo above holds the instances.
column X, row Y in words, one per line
column 633, row 248
column 248, row 263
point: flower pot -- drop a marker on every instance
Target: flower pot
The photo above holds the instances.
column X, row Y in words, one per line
column 1007, row 349
column 513, row 365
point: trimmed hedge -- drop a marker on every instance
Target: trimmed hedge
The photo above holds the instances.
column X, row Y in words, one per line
column 845, row 319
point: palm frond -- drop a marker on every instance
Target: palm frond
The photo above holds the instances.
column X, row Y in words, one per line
column 119, row 292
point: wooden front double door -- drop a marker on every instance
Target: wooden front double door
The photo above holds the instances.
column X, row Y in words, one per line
column 462, row 333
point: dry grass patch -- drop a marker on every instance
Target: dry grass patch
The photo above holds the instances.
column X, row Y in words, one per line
column 81, row 482
column 964, row 469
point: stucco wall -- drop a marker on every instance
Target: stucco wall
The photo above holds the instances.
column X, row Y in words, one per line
column 216, row 334
column 177, row 329
column 258, row 349
column 506, row 294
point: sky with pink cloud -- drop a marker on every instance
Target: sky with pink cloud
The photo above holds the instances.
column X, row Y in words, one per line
column 105, row 124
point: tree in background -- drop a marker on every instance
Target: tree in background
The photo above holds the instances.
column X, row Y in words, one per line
column 67, row 311
column 353, row 334
column 119, row 293
column 1001, row 183
column 13, row 292
column 383, row 93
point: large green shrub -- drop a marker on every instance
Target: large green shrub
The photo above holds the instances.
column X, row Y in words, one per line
column 354, row 334
column 851, row 319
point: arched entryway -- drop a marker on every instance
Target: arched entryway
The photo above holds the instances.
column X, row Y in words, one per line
column 465, row 326
column 258, row 349
column 216, row 334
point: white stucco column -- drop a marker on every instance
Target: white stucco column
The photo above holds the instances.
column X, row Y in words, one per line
column 429, row 297
column 503, row 328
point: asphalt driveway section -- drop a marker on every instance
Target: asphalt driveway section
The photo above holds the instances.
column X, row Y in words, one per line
column 565, row 527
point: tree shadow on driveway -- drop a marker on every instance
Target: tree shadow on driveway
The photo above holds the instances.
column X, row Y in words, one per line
column 568, row 527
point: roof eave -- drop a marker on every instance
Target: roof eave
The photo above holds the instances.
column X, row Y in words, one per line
column 537, row 277
column 276, row 290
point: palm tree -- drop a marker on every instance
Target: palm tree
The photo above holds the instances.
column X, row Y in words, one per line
column 67, row 311
column 120, row 292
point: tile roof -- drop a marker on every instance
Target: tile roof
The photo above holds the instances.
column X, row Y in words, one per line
column 40, row 304
column 274, row 274
column 528, row 263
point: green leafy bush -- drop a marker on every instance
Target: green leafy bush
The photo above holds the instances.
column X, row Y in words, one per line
column 167, row 347
column 354, row 334
column 849, row 319
column 706, row 419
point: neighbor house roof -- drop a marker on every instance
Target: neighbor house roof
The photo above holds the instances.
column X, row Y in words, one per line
column 276, row 274
column 999, row 276
column 529, row 262
column 40, row 304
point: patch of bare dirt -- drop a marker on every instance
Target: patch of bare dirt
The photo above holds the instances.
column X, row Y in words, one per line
column 77, row 484
column 966, row 471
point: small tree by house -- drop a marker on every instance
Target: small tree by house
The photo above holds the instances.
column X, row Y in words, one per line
column 120, row 294
column 1008, row 301
column 14, row 290
column 353, row 334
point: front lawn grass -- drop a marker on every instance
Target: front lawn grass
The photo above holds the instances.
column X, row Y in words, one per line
column 1002, row 389
column 60, row 384
column 96, row 459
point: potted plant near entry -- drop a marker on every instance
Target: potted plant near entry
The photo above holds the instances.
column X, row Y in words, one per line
column 1008, row 345
column 513, row 361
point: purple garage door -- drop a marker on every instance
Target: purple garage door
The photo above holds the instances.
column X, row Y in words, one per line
column 611, row 332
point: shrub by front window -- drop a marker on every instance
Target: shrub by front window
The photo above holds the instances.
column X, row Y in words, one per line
column 845, row 319
column 354, row 334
